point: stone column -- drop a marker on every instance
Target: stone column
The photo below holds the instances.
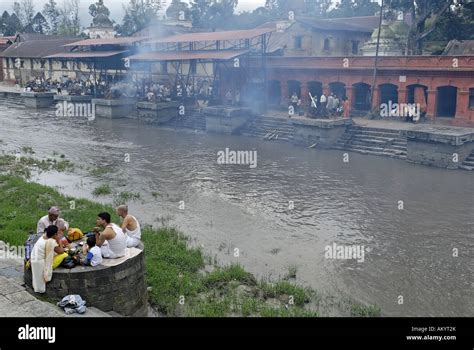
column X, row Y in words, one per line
column 432, row 103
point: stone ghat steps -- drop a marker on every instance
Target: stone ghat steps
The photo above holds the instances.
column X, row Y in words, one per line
column 261, row 127
column 195, row 121
column 374, row 141
column 468, row 164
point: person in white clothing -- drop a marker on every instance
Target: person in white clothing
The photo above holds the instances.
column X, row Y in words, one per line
column 112, row 241
column 94, row 253
column 51, row 219
column 130, row 226
column 43, row 258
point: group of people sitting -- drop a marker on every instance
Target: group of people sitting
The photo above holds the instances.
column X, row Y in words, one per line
column 109, row 241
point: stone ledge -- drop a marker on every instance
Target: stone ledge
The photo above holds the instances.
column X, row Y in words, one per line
column 74, row 98
column 32, row 94
column 120, row 288
column 320, row 123
column 455, row 136
column 114, row 102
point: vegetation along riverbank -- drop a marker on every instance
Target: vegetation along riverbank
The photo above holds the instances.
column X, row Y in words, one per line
column 183, row 281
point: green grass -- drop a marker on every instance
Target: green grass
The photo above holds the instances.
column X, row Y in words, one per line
column 99, row 171
column 19, row 165
column 365, row 311
column 102, row 190
column 175, row 271
column 125, row 197
column 27, row 150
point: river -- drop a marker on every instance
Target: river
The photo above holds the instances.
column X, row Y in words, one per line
column 410, row 253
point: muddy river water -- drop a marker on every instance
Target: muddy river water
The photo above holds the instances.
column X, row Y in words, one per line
column 284, row 212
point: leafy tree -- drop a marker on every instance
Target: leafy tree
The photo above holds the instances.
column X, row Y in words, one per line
column 51, row 13
column 354, row 8
column 421, row 11
column 212, row 14
column 200, row 13
column 28, row 11
column 40, row 24
column 457, row 23
column 280, row 8
column 17, row 11
column 12, row 25
column 69, row 23
column 138, row 15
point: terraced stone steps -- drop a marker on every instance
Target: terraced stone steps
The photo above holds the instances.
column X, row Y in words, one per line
column 468, row 164
column 374, row 141
column 279, row 129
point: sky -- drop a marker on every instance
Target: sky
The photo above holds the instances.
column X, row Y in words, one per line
column 115, row 7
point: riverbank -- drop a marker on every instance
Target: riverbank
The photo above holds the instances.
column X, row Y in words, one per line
column 182, row 280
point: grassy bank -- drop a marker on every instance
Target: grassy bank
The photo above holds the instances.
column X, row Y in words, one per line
column 183, row 281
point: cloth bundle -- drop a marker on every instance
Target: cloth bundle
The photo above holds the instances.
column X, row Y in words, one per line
column 73, row 304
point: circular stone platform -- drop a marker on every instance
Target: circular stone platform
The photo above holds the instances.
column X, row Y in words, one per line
column 117, row 285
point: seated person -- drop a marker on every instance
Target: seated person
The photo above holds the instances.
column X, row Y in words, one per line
column 112, row 241
column 51, row 219
column 62, row 228
column 130, row 226
column 94, row 254
column 47, row 255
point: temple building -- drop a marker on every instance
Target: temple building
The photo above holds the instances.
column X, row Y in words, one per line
column 101, row 28
column 393, row 39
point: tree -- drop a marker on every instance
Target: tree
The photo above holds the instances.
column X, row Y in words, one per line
column 12, row 25
column 421, row 11
column 318, row 8
column 276, row 8
column 28, row 11
column 51, row 13
column 457, row 23
column 200, row 13
column 212, row 15
column 40, row 24
column 138, row 15
column 354, row 8
column 69, row 23
column 17, row 10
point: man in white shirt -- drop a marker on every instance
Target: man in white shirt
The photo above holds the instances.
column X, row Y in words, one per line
column 51, row 219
